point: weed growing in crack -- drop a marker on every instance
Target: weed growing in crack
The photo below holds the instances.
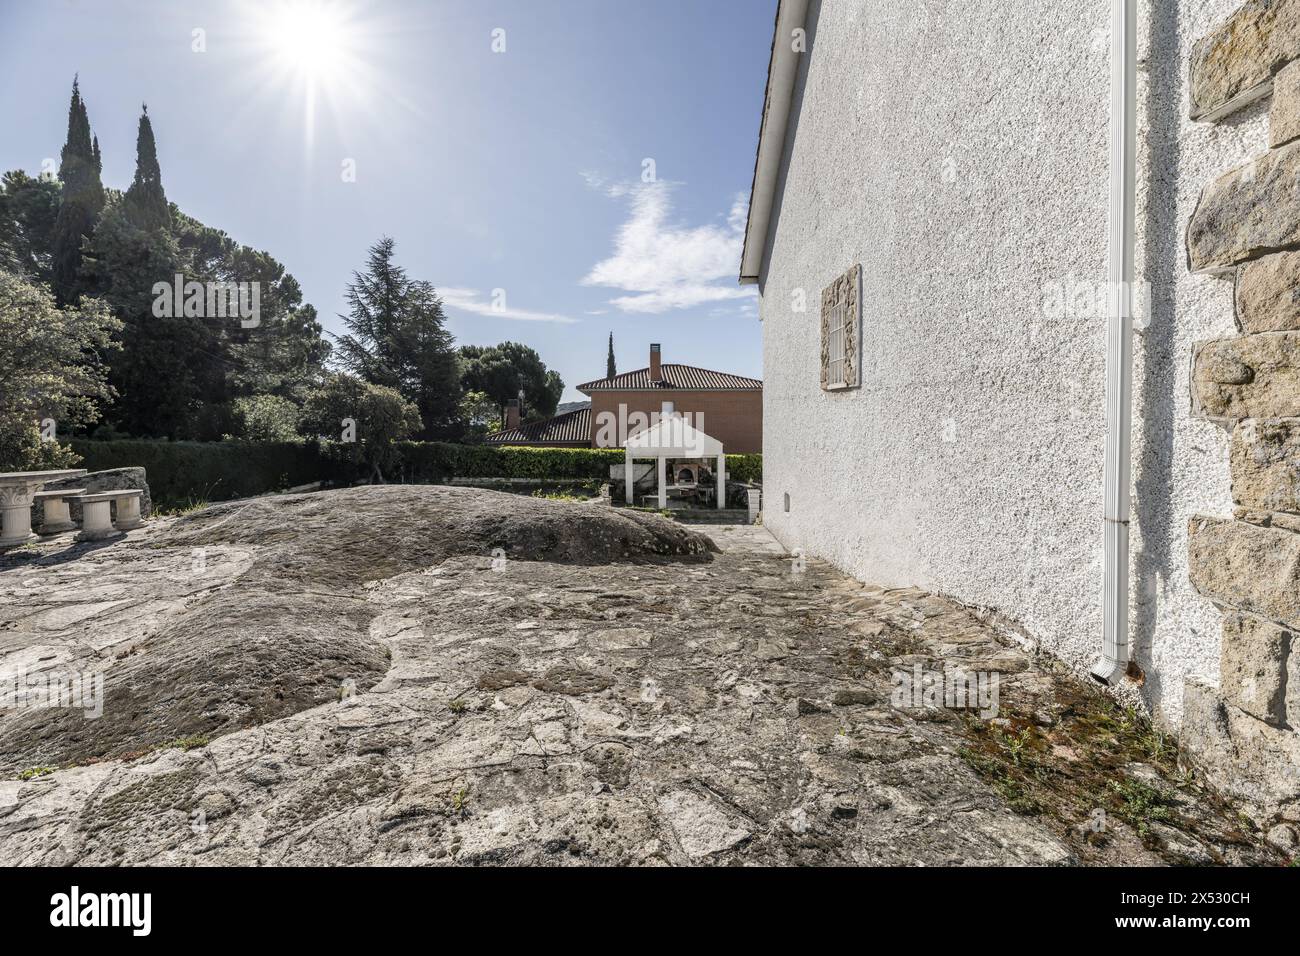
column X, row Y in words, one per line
column 1141, row 805
column 1016, row 744
column 460, row 802
column 179, row 509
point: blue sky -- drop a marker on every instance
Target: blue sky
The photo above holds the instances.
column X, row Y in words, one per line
column 521, row 171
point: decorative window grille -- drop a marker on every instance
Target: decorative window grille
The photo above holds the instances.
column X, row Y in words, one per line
column 841, row 331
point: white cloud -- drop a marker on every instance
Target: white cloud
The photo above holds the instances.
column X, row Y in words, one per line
column 471, row 300
column 666, row 265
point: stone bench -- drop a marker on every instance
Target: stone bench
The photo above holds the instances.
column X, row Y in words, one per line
column 55, row 515
column 96, row 520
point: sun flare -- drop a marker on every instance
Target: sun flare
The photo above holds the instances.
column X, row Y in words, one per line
column 315, row 57
column 308, row 38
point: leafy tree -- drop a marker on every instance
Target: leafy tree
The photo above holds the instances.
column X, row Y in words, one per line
column 267, row 418
column 503, row 371
column 81, row 200
column 285, row 351
column 167, row 369
column 145, row 203
column 50, row 368
column 175, row 376
column 479, row 415
column 377, row 414
column 29, row 209
column 397, row 338
column 611, row 369
column 179, row 375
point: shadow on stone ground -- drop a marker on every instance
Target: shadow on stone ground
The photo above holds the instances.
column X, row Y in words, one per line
column 290, row 627
column 432, row 675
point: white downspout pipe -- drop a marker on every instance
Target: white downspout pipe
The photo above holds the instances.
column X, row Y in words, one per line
column 1113, row 664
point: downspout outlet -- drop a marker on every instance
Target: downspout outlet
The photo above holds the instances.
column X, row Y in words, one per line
column 1108, row 671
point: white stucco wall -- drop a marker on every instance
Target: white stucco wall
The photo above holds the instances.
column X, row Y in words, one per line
column 959, row 152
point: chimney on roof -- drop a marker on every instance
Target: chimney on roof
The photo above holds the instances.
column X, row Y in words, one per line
column 512, row 413
column 656, row 372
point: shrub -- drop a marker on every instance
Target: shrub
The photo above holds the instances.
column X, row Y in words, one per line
column 267, row 418
column 23, row 449
column 377, row 416
column 746, row 468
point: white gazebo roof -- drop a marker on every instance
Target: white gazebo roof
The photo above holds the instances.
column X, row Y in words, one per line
column 672, row 437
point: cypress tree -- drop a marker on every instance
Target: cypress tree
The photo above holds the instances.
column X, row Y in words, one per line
column 610, row 368
column 145, row 202
column 80, row 201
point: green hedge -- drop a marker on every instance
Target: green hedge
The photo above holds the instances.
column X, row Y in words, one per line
column 180, row 472
column 436, row 461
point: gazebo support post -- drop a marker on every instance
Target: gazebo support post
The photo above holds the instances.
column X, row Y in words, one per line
column 628, row 483
column 663, row 483
column 722, row 482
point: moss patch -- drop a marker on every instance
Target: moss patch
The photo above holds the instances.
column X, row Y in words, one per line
column 1100, row 773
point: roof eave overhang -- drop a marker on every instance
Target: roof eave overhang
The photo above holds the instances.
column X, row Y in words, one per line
column 670, row 388
column 781, row 72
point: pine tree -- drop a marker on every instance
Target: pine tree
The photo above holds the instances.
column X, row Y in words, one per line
column 145, row 202
column 610, row 368
column 80, row 202
column 398, row 338
column 502, row 371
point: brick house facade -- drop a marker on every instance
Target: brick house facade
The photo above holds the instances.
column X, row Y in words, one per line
column 727, row 407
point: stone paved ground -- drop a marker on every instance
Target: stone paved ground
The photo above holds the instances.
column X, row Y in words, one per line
column 280, row 690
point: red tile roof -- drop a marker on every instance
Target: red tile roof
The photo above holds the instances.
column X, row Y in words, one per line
column 571, row 428
column 675, row 376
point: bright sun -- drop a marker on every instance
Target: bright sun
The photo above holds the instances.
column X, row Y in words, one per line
column 309, row 38
column 319, row 59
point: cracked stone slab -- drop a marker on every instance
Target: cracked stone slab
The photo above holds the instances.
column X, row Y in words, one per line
column 677, row 704
column 700, row 825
